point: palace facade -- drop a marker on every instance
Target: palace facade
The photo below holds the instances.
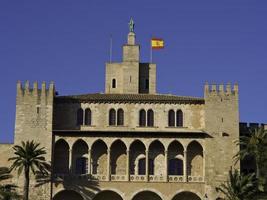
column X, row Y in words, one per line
column 129, row 143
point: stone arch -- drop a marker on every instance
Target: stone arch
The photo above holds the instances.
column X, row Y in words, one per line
column 99, row 153
column 118, row 157
column 156, row 158
column 144, row 195
column 195, row 159
column 61, row 157
column 68, row 195
column 137, row 158
column 107, row 194
column 186, row 196
column 175, row 158
column 80, row 157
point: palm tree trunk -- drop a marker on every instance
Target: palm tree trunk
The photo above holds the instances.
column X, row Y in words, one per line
column 26, row 183
column 257, row 170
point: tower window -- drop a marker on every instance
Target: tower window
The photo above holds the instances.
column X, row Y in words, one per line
column 38, row 110
column 114, row 83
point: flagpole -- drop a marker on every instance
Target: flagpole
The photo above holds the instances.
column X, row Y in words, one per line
column 151, row 56
column 110, row 49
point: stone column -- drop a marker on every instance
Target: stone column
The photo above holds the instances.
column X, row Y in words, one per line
column 128, row 166
column 108, row 164
column 70, row 160
column 89, row 162
column 166, row 166
column 147, row 165
column 185, row 166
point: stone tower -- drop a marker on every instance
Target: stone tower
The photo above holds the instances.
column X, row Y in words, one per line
column 222, row 125
column 34, row 113
column 130, row 76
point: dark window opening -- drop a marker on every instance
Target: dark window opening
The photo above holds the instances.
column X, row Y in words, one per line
column 175, row 167
column 81, row 166
column 114, row 83
column 142, row 118
column 80, row 117
column 179, row 118
column 112, row 117
column 120, row 117
column 88, row 117
column 171, row 118
column 150, row 118
column 38, row 110
column 151, row 166
column 142, row 166
column 147, row 84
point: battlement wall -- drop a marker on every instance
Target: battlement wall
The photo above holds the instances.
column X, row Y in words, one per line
column 42, row 95
column 247, row 128
column 221, row 89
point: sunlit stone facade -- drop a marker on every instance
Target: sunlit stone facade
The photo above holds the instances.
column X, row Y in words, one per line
column 130, row 143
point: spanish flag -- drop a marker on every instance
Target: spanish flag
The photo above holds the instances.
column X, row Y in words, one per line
column 157, row 43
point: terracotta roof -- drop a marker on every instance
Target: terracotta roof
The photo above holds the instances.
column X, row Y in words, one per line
column 129, row 98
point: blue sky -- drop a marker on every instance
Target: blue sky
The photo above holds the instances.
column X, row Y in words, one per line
column 68, row 42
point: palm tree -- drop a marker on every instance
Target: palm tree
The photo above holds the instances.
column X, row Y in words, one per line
column 29, row 157
column 254, row 145
column 7, row 191
column 4, row 174
column 238, row 186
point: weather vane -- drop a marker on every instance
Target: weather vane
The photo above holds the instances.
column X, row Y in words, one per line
column 131, row 25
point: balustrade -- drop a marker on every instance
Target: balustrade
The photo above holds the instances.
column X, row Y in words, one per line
column 176, row 179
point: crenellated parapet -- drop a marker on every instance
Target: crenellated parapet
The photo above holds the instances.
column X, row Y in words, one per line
column 221, row 89
column 247, row 128
column 38, row 95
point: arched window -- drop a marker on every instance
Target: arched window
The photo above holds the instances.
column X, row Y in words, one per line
column 120, row 117
column 150, row 118
column 88, row 117
column 171, row 118
column 114, row 83
column 142, row 118
column 112, row 117
column 179, row 118
column 80, row 117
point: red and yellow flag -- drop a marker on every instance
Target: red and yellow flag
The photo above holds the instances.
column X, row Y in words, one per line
column 157, row 43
